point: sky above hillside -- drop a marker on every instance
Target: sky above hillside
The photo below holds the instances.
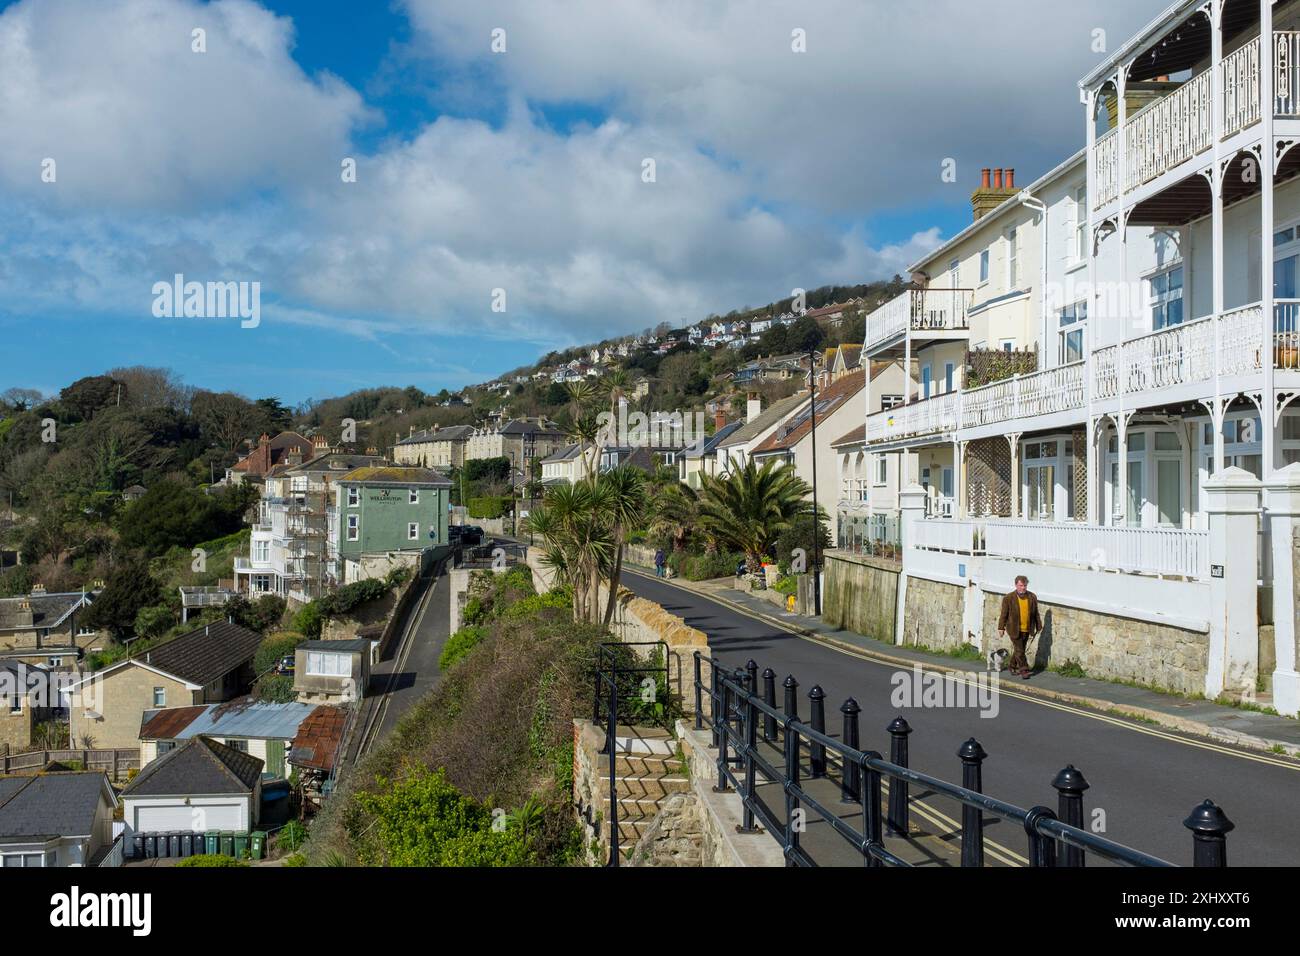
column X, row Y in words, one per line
column 485, row 177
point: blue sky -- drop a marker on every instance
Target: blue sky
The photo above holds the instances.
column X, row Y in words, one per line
column 518, row 170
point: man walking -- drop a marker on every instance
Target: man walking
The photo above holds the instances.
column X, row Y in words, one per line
column 660, row 561
column 1019, row 620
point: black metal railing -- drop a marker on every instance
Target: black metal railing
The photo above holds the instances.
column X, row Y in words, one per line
column 620, row 697
column 740, row 716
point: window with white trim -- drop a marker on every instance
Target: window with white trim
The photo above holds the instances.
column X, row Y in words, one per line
column 323, row 664
column 354, row 527
column 261, row 551
column 412, row 531
column 1165, row 297
column 1072, row 320
column 882, row 471
column 890, row 401
column 1079, row 240
column 160, row 696
column 984, row 267
column 354, row 497
column 413, row 496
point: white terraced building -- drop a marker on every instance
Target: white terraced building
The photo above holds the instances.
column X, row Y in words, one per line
column 1145, row 461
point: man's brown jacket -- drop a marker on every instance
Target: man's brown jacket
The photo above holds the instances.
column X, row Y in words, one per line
column 1009, row 616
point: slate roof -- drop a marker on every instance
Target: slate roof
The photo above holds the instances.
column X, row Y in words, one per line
column 714, row 440
column 774, row 414
column 829, row 399
column 450, row 433
column 518, row 427
column 198, row 766
column 330, row 461
column 204, row 655
column 394, row 475
column 51, row 804
column 854, row 437
column 318, row 738
column 48, row 610
column 564, row 454
column 358, row 644
column 245, row 718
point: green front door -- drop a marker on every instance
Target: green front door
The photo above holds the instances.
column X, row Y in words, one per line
column 275, row 758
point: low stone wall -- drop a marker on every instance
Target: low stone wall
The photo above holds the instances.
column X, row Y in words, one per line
column 637, row 619
column 932, row 615
column 675, row 836
column 1110, row 647
column 860, row 594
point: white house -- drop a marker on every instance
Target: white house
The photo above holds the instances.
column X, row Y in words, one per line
column 1139, row 464
column 58, row 818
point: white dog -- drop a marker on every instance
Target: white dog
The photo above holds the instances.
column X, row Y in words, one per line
column 997, row 660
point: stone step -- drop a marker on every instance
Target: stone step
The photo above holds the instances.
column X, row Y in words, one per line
column 638, row 808
column 642, row 765
column 644, row 788
column 638, row 744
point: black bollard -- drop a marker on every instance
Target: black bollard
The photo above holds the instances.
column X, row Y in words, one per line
column 1210, row 827
column 850, row 790
column 898, row 730
column 769, row 698
column 817, row 703
column 1069, row 785
column 972, row 818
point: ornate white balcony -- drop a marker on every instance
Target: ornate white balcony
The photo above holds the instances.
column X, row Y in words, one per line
column 921, row 310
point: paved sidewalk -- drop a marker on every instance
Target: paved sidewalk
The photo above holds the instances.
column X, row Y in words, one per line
column 1244, row 728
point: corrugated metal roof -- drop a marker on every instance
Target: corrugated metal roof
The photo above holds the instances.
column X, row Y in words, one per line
column 254, row 719
column 318, row 738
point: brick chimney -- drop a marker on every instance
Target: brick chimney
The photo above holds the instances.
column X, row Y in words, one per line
column 990, row 195
column 719, row 419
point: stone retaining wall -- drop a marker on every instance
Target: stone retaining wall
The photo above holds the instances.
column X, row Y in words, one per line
column 932, row 615
column 861, row 594
column 1108, row 647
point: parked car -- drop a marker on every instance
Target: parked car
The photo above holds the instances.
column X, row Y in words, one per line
column 473, row 534
column 285, row 665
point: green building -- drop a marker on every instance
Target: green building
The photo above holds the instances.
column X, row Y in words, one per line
column 387, row 516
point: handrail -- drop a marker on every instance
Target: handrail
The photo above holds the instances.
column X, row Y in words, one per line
column 733, row 700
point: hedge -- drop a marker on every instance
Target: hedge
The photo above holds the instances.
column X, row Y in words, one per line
column 491, row 507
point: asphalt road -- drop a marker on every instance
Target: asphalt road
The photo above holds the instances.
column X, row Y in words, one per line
column 1144, row 779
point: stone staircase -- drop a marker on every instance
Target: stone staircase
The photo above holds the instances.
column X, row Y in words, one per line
column 647, row 771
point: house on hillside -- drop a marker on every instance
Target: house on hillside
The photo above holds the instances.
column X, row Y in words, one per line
column 701, row 459
column 384, row 517
column 62, row 818
column 268, row 453
column 734, row 450
column 29, row 696
column 436, row 447
column 47, row 628
column 290, row 551
column 521, row 440
column 198, row 786
column 332, row 672
column 211, row 664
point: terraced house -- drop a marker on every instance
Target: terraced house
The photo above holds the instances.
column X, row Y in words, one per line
column 1136, row 451
column 384, row 517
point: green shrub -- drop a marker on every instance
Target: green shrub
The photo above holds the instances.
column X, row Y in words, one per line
column 787, row 585
column 490, row 507
column 274, row 647
column 296, row 859
column 475, row 612
column 153, row 621
column 292, row 835
column 458, row 645
column 210, row 859
column 310, row 620
column 422, row 820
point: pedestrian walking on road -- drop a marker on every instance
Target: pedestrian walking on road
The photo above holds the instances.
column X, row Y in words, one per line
column 1019, row 621
column 660, row 560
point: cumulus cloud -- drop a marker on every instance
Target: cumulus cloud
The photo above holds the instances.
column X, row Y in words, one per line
column 225, row 165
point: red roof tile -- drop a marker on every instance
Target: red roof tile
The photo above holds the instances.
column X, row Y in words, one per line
column 318, row 738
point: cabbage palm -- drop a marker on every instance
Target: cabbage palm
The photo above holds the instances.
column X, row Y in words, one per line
column 625, row 509
column 579, row 544
column 750, row 507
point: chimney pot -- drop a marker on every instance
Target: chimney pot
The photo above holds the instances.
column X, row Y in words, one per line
column 997, row 178
column 984, row 178
column 1011, row 179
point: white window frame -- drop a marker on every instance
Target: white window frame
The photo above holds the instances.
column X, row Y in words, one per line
column 1159, row 302
column 354, row 497
column 1072, row 321
column 412, row 531
column 882, row 471
column 354, row 527
column 1079, row 238
column 413, row 496
column 328, row 664
column 160, row 697
column 984, row 267
column 261, row 551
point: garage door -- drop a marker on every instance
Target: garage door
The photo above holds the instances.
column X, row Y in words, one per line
column 197, row 818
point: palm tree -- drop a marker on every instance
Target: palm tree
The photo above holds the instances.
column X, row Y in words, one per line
column 585, row 432
column 626, row 508
column 675, row 511
column 578, row 542
column 750, row 508
column 615, row 386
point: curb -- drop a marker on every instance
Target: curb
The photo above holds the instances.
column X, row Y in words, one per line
column 1168, row 721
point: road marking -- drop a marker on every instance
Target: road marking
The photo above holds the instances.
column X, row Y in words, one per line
column 868, row 656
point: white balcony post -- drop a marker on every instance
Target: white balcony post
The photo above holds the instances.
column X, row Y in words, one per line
column 1013, row 440
column 911, row 508
column 1121, row 132
column 1282, row 512
column 1268, row 104
column 1216, row 203
column 1232, row 504
column 1121, row 470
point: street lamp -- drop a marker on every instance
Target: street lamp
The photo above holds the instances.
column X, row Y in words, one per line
column 817, row 526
